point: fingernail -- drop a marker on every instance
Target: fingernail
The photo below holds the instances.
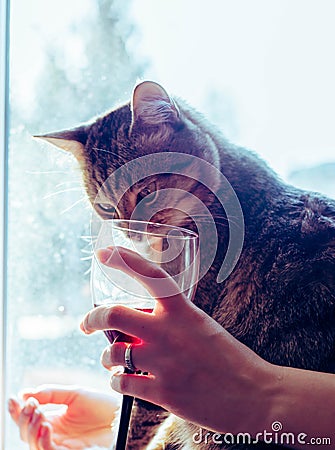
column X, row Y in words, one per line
column 104, row 254
column 115, row 381
column 83, row 328
column 30, row 406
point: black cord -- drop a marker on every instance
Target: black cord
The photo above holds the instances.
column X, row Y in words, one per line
column 127, row 405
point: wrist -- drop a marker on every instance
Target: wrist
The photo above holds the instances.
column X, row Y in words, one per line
column 265, row 398
column 255, row 404
column 272, row 397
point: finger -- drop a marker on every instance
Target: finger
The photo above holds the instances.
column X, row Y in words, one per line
column 141, row 355
column 34, row 429
column 121, row 318
column 139, row 386
column 158, row 283
column 14, row 409
column 51, row 393
column 44, row 440
column 25, row 417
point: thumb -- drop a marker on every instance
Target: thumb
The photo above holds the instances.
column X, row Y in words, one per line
column 51, row 393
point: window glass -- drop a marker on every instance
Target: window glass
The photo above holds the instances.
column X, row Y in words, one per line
column 60, row 52
column 260, row 70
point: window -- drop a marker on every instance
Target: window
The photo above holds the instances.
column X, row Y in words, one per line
column 3, row 189
column 244, row 64
column 48, row 215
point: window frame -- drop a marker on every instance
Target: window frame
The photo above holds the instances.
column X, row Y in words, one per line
column 4, row 127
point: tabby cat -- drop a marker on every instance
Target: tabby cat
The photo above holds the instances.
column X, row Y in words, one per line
column 280, row 298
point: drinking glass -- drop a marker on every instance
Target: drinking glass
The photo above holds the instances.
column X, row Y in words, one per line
column 174, row 249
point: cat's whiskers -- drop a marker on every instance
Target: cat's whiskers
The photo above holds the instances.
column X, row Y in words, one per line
column 48, row 172
column 88, row 250
column 208, row 217
column 53, row 194
column 90, row 241
column 87, row 258
column 88, row 271
column 82, row 199
column 66, row 183
column 234, row 220
column 88, row 238
column 218, row 219
column 106, row 151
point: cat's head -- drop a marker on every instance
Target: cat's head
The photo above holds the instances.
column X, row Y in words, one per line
column 144, row 160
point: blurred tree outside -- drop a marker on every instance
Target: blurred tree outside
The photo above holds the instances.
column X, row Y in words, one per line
column 65, row 97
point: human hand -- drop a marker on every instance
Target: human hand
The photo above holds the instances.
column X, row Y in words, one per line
column 86, row 422
column 197, row 370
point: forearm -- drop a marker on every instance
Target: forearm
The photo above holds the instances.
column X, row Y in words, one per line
column 303, row 404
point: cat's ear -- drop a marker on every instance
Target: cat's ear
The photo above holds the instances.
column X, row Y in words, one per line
column 73, row 140
column 152, row 105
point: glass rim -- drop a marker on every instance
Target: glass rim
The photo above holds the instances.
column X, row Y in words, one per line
column 187, row 234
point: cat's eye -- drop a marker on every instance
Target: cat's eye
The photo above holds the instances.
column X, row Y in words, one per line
column 148, row 194
column 107, row 208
